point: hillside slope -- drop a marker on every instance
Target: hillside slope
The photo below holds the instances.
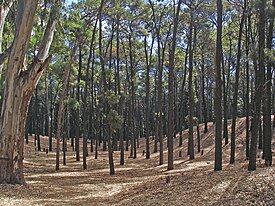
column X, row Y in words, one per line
column 144, row 182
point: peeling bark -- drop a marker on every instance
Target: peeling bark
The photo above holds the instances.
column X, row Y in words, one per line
column 19, row 87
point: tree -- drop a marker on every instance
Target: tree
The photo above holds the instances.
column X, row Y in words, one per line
column 218, row 91
column 247, row 98
column 147, row 101
column 113, row 121
column 121, row 101
column 17, row 96
column 258, row 87
column 85, row 103
column 268, row 127
column 235, row 98
column 190, row 88
column 66, row 79
column 171, row 90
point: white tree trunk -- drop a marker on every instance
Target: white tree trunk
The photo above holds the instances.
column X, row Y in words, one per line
column 19, row 87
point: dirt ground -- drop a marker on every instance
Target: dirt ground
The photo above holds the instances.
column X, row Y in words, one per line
column 144, row 182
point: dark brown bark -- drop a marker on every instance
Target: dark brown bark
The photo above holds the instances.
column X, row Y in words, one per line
column 110, row 150
column 47, row 105
column 247, row 98
column 159, row 74
column 37, row 132
column 132, row 96
column 85, row 106
column 268, row 127
column 77, row 121
column 218, row 91
column 161, row 99
column 180, row 139
column 102, row 64
column 198, row 138
column 171, row 131
column 260, row 145
column 190, row 90
column 66, row 131
column 225, row 103
column 161, row 47
column 235, row 97
column 147, row 98
column 63, row 96
column 205, row 116
column 258, row 88
column 121, row 100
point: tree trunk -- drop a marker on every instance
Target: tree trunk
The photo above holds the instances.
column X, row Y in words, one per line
column 132, row 96
column 19, row 87
column 171, row 131
column 47, row 122
column 85, row 106
column 247, row 98
column 37, row 132
column 199, row 138
column 235, row 97
column 268, row 127
column 260, row 145
column 118, row 84
column 218, row 91
column 66, row 79
column 225, row 103
column 258, row 89
column 180, row 139
column 147, row 98
column 77, row 124
column 190, row 90
column 205, row 117
column 110, row 150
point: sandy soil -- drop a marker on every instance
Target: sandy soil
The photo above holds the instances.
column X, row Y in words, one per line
column 144, row 182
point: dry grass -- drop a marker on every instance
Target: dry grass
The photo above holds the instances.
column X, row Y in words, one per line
column 144, row 182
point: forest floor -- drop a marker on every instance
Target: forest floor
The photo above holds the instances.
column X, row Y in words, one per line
column 144, row 182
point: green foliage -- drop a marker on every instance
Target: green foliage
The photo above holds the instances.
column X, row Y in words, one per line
column 114, row 119
column 110, row 97
column 72, row 103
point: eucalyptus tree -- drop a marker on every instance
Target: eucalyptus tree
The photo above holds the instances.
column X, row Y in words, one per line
column 17, row 96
